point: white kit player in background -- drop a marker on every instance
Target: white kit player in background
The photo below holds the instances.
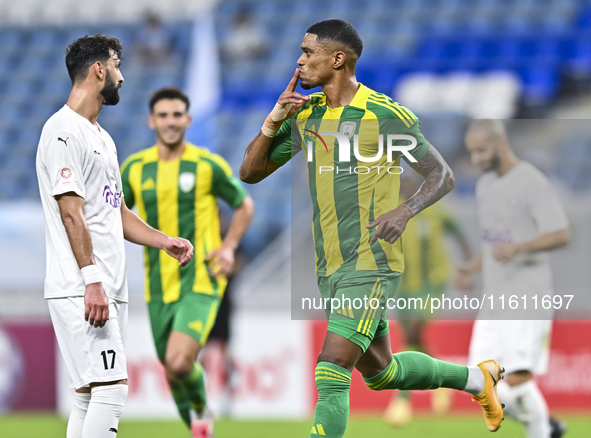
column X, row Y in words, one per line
column 521, row 218
column 86, row 221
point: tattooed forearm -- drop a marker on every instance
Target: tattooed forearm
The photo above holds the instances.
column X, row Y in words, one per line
column 439, row 180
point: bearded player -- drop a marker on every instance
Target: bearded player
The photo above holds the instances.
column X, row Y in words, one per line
column 357, row 222
column 521, row 219
column 86, row 220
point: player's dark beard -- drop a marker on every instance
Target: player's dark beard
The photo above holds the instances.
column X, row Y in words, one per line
column 110, row 91
column 494, row 163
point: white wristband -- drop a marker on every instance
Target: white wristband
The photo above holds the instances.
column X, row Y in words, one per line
column 268, row 132
column 91, row 274
column 279, row 112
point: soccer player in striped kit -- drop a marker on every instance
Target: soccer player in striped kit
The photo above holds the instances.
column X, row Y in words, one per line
column 357, row 221
column 175, row 186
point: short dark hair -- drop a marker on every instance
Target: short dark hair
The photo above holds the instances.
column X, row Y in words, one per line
column 87, row 50
column 338, row 31
column 168, row 93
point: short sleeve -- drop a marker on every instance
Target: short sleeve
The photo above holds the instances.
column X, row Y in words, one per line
column 224, row 184
column 545, row 206
column 422, row 146
column 397, row 119
column 63, row 160
column 281, row 150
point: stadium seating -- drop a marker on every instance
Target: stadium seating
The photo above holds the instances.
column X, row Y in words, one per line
column 437, row 56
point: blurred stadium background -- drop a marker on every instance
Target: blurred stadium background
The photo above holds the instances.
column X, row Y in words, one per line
column 527, row 61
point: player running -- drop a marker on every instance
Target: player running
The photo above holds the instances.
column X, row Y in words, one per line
column 86, row 221
column 175, row 186
column 357, row 222
column 521, row 218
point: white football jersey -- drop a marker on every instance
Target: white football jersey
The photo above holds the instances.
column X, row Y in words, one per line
column 75, row 156
column 517, row 207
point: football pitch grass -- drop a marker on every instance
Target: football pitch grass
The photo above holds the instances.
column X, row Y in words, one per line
column 51, row 426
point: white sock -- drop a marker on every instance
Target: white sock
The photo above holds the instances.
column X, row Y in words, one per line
column 76, row 420
column 507, row 397
column 104, row 411
column 533, row 410
column 475, row 384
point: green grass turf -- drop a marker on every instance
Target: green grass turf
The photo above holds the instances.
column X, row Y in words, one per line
column 51, row 426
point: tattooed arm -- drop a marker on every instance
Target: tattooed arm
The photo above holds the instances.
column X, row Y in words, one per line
column 439, row 180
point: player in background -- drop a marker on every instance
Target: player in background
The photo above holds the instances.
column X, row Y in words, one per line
column 353, row 235
column 428, row 271
column 175, row 186
column 521, row 219
column 86, row 220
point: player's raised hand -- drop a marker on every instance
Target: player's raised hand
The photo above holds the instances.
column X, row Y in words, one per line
column 180, row 249
column 222, row 261
column 390, row 225
column 96, row 305
column 287, row 105
column 290, row 99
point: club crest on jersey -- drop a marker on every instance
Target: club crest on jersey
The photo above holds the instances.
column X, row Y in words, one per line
column 186, row 181
column 348, row 129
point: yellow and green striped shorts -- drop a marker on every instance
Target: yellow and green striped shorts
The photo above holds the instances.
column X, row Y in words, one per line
column 356, row 303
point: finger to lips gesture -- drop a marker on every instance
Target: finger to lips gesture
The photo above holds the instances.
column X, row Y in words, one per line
column 290, row 99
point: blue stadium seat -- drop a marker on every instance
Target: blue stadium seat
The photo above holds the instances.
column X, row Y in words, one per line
column 540, row 83
column 11, row 42
column 584, row 18
column 577, row 53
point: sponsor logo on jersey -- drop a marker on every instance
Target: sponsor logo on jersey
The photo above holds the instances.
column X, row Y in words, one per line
column 112, row 198
column 497, row 236
column 186, row 181
column 66, row 173
column 65, row 141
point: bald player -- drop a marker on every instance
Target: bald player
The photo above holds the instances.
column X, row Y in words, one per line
column 521, row 219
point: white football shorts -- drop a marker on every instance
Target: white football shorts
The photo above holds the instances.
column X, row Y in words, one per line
column 91, row 354
column 516, row 344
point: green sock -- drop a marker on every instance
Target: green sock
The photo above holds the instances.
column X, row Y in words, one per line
column 332, row 410
column 413, row 370
column 183, row 403
column 194, row 384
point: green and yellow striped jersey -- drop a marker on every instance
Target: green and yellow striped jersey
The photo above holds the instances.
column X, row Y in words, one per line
column 426, row 255
column 348, row 198
column 179, row 197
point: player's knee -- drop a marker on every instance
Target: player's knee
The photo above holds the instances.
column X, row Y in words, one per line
column 115, row 394
column 518, row 377
column 345, row 362
column 178, row 367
